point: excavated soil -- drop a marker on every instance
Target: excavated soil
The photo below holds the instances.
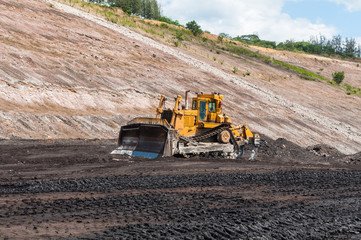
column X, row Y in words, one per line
column 73, row 189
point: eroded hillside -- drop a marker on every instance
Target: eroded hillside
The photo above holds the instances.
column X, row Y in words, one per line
column 66, row 73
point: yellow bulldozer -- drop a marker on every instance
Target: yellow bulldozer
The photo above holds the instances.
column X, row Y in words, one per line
column 202, row 130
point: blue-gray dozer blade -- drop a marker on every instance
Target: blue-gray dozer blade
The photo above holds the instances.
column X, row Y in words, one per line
column 145, row 154
column 142, row 140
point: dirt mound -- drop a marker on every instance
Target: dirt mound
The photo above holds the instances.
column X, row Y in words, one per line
column 351, row 159
column 284, row 151
column 323, row 150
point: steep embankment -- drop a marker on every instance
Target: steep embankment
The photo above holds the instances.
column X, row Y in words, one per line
column 66, row 73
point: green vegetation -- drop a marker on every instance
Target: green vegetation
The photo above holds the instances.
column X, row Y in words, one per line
column 235, row 70
column 194, row 27
column 146, row 8
column 253, row 39
column 239, row 50
column 338, row 77
column 224, row 35
column 169, row 21
column 350, row 90
column 179, row 35
column 302, row 72
column 316, row 45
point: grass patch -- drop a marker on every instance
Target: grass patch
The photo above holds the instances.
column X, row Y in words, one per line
column 350, row 90
column 151, row 31
column 238, row 50
column 303, row 73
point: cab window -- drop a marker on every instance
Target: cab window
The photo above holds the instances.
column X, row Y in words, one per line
column 212, row 107
column 202, row 110
column 194, row 105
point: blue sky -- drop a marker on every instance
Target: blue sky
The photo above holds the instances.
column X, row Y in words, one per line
column 347, row 22
column 277, row 20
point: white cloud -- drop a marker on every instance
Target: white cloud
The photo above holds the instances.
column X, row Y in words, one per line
column 351, row 5
column 245, row 17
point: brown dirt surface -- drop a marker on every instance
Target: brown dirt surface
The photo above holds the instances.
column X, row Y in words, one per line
column 73, row 189
column 70, row 74
column 66, row 74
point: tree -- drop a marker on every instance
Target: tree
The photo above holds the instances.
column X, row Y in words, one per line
column 96, row 1
column 338, row 77
column 147, row 9
column 328, row 49
column 350, row 47
column 194, row 27
column 136, row 7
column 250, row 37
column 358, row 52
column 168, row 20
column 124, row 5
column 225, row 35
column 337, row 44
column 155, row 13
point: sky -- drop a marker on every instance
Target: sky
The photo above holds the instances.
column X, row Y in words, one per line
column 275, row 20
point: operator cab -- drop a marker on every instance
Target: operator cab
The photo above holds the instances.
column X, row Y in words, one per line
column 208, row 106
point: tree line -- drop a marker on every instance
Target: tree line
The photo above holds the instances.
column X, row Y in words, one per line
column 149, row 9
column 347, row 47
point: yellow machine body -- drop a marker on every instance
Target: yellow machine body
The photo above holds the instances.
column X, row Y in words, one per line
column 201, row 129
column 205, row 113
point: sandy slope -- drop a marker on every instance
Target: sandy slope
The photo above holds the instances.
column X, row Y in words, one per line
column 66, row 73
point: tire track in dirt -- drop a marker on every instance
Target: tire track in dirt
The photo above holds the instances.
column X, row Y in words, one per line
column 304, row 204
column 169, row 198
column 116, row 183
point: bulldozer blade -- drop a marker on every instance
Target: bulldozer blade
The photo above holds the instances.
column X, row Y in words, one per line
column 143, row 140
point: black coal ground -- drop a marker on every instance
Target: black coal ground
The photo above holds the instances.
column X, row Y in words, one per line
column 313, row 197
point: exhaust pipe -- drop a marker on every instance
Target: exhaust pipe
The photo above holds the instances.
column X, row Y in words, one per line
column 186, row 100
